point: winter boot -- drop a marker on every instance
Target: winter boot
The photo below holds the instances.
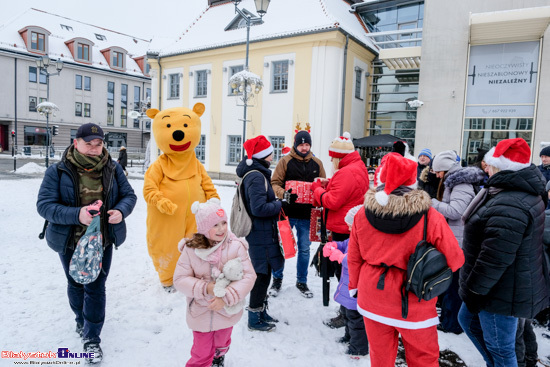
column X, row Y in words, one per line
column 169, row 289
column 93, row 347
column 275, row 287
column 336, row 322
column 255, row 322
column 218, row 361
column 304, row 290
column 79, row 329
column 265, row 317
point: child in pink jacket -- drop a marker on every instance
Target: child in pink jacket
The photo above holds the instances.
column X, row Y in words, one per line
column 201, row 261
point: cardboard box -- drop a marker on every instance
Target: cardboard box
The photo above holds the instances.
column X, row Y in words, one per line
column 302, row 189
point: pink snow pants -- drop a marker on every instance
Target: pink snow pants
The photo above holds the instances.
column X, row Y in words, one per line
column 421, row 346
column 208, row 345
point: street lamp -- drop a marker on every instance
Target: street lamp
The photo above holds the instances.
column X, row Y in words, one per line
column 43, row 63
column 244, row 81
column 139, row 114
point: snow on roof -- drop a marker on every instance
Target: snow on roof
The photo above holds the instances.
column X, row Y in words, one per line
column 284, row 18
column 64, row 29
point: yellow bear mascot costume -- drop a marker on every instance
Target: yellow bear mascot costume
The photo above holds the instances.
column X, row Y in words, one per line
column 172, row 183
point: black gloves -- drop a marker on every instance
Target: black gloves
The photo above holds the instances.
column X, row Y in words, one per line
column 289, row 197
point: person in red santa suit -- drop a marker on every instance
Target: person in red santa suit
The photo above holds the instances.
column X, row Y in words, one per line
column 383, row 237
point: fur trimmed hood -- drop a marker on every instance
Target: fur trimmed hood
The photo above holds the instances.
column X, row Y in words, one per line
column 413, row 202
column 468, row 175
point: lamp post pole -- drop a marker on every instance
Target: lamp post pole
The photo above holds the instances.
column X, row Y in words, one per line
column 43, row 64
column 261, row 8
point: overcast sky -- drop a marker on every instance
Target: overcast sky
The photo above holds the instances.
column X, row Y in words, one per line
column 143, row 19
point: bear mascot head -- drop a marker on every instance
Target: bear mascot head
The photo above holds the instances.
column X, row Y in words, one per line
column 177, row 130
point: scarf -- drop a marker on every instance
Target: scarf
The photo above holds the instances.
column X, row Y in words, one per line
column 480, row 199
column 211, row 255
column 90, row 173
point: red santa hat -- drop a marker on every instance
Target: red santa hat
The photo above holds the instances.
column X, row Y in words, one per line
column 396, row 171
column 285, row 151
column 341, row 146
column 258, row 147
column 509, row 154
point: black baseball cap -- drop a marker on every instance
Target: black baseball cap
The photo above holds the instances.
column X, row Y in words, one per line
column 89, row 132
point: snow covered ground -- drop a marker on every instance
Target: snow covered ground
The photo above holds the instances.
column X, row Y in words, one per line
column 144, row 325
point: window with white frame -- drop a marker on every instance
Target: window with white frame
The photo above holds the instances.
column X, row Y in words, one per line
column 234, row 151
column 110, row 103
column 87, row 110
column 201, row 83
column 473, row 146
column 358, row 84
column 123, row 104
column 78, row 109
column 174, row 85
column 232, row 71
column 501, row 124
column 278, row 142
column 78, row 81
column 279, row 78
column 87, row 83
column 32, row 74
column 200, row 150
column 476, row 124
column 525, row 124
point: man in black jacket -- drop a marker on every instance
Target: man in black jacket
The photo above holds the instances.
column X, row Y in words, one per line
column 67, row 200
column 299, row 165
column 545, row 166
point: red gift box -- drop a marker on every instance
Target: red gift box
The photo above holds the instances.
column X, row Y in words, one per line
column 315, row 226
column 302, row 189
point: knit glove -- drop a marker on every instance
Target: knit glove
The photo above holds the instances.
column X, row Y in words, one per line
column 328, row 248
column 474, row 302
column 289, row 197
column 93, row 208
column 336, row 255
column 315, row 185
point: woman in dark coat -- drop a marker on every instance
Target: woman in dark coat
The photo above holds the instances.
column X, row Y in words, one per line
column 263, row 207
column 123, row 159
column 504, row 277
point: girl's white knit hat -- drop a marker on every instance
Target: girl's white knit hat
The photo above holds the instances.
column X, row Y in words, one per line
column 208, row 214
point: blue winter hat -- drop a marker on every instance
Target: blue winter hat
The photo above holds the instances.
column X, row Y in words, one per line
column 427, row 152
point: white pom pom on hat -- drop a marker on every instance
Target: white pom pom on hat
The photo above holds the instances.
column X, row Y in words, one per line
column 341, row 146
column 195, row 207
column 258, row 147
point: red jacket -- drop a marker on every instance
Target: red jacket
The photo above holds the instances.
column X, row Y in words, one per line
column 345, row 190
column 389, row 235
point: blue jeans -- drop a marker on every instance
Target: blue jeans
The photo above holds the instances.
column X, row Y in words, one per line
column 493, row 335
column 88, row 301
column 302, row 229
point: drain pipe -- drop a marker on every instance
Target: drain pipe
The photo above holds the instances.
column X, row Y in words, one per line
column 344, row 86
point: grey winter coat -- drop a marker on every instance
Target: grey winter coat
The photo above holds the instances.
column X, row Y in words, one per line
column 459, row 192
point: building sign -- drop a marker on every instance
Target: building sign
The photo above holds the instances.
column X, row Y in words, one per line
column 502, row 80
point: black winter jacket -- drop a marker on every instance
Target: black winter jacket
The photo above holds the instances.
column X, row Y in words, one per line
column 505, row 272
column 264, row 209
column 59, row 203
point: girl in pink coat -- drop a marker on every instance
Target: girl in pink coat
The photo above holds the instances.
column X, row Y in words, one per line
column 202, row 260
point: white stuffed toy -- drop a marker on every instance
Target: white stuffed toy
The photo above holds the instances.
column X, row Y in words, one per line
column 232, row 270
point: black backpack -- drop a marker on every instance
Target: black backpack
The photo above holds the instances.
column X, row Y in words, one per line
column 428, row 275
